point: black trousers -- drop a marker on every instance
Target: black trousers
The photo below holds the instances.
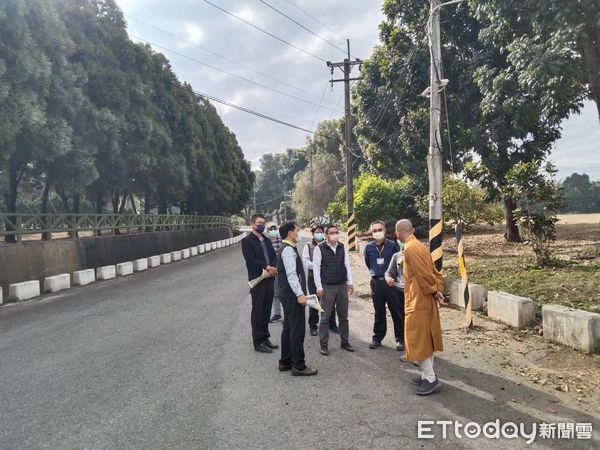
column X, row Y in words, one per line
column 262, row 300
column 292, row 335
column 313, row 314
column 383, row 294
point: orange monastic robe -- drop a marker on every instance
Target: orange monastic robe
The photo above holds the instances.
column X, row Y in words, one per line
column 422, row 328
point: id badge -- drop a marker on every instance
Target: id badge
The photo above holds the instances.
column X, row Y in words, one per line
column 380, row 261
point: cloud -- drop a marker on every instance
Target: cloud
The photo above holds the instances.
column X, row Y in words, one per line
column 192, row 33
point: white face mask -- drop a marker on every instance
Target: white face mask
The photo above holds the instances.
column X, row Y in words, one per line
column 378, row 235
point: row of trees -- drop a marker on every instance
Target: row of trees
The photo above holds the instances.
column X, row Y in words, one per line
column 97, row 119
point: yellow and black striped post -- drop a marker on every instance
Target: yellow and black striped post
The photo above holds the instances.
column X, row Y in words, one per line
column 351, row 232
column 436, row 227
column 464, row 279
column 312, row 222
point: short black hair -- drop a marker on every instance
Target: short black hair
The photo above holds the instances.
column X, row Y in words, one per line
column 256, row 216
column 317, row 227
column 329, row 226
column 377, row 222
column 285, row 229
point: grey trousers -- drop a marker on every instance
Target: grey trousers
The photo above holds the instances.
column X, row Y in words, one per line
column 276, row 302
column 334, row 295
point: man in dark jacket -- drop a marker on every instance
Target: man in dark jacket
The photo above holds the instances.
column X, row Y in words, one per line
column 260, row 256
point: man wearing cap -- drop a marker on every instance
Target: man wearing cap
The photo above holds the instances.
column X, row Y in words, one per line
column 273, row 235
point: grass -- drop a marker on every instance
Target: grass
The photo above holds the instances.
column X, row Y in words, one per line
column 498, row 265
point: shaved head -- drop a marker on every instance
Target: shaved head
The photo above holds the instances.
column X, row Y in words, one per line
column 404, row 225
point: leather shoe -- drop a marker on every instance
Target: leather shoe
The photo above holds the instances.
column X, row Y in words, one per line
column 313, row 332
column 324, row 350
column 399, row 345
column 306, row 372
column 347, row 347
column 263, row 348
column 271, row 346
column 284, row 367
column 374, row 344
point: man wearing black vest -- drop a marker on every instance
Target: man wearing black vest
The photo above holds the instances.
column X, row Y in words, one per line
column 260, row 255
column 292, row 294
column 333, row 278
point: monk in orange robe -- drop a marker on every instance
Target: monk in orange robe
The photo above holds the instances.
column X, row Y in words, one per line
column 423, row 291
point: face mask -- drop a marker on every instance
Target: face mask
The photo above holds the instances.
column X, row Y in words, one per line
column 260, row 228
column 400, row 244
column 378, row 235
column 273, row 233
column 319, row 237
column 334, row 237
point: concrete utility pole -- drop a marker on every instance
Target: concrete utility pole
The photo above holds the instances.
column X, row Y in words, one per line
column 346, row 67
column 434, row 157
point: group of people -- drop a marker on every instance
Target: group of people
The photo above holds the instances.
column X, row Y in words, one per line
column 403, row 278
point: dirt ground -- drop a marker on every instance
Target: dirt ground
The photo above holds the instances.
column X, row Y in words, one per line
column 571, row 378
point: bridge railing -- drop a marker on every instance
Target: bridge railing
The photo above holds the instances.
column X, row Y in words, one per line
column 13, row 227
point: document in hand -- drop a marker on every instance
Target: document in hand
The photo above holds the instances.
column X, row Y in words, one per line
column 253, row 283
column 313, row 302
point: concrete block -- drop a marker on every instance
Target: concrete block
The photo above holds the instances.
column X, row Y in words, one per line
column 477, row 294
column 572, row 327
column 140, row 265
column 125, row 268
column 57, row 282
column 511, row 309
column 213, row 245
column 83, row 277
column 201, row 249
column 185, row 253
column 154, row 261
column 24, row 290
column 1, row 298
column 193, row 251
column 106, row 273
column 165, row 258
column 176, row 256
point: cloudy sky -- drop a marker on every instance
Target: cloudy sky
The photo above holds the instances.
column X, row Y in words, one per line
column 284, row 82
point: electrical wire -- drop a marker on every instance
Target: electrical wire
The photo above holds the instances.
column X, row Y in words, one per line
column 315, row 19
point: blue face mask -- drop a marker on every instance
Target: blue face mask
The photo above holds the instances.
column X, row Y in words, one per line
column 319, row 237
column 273, row 233
column 260, row 228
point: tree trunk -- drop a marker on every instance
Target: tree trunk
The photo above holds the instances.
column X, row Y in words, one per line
column 132, row 201
column 123, row 202
column 65, row 201
column 511, row 232
column 590, row 52
column 76, row 203
column 45, row 195
column 99, row 205
column 11, row 196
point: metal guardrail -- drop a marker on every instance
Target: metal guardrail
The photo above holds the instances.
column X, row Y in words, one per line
column 18, row 225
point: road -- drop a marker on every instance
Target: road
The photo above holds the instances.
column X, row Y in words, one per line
column 164, row 359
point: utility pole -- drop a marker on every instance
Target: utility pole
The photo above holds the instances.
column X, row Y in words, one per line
column 434, row 157
column 346, row 67
column 254, row 196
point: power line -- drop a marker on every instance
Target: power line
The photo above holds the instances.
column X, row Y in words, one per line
column 301, row 26
column 264, row 31
column 315, row 19
column 247, row 80
column 225, row 58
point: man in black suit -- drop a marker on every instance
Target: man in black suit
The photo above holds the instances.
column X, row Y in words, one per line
column 260, row 255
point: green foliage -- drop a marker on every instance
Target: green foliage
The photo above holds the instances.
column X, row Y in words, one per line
column 539, row 199
column 581, row 195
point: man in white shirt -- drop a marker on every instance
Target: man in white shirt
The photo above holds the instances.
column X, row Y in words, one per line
column 333, row 279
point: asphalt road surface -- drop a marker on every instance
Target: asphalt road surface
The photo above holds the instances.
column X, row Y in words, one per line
column 164, row 359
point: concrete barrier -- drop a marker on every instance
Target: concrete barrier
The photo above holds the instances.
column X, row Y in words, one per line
column 165, row 258
column 185, row 253
column 106, row 273
column 572, row 327
column 24, row 290
column 124, row 269
column 83, row 277
column 140, row 265
column 201, row 249
column 57, row 283
column 1, row 298
column 477, row 294
column 193, row 251
column 511, row 309
column 176, row 256
column 213, row 245
column 154, row 261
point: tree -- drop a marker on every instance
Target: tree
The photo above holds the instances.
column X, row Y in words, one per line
column 581, row 195
column 539, row 199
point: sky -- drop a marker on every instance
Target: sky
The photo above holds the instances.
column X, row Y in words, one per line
column 190, row 32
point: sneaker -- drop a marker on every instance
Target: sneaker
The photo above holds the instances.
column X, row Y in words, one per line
column 399, row 345
column 275, row 318
column 306, row 372
column 314, row 332
column 417, row 381
column 374, row 344
column 427, row 387
column 334, row 329
column 346, row 346
column 324, row 350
